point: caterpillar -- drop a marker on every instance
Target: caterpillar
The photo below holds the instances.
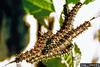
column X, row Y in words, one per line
column 63, row 45
column 70, row 16
column 67, row 23
column 67, row 26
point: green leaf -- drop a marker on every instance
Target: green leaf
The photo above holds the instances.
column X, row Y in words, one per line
column 29, row 7
column 39, row 8
column 76, row 49
column 44, row 4
column 35, row 6
column 68, row 57
column 61, row 21
column 88, row 1
column 77, row 53
column 72, row 1
column 54, row 62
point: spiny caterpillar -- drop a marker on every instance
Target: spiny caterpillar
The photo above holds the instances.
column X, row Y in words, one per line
column 63, row 46
column 67, row 26
column 70, row 16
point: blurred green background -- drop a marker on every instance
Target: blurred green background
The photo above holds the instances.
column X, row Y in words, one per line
column 13, row 31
